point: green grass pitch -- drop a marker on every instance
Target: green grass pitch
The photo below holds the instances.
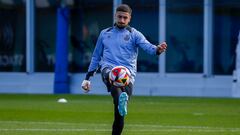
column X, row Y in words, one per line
column 93, row 115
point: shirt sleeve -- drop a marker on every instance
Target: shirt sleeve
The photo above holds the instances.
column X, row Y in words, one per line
column 141, row 41
column 97, row 54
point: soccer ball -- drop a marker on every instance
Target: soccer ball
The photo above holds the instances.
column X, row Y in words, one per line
column 119, row 76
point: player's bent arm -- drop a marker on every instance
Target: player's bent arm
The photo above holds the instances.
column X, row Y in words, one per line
column 93, row 64
column 142, row 42
column 97, row 54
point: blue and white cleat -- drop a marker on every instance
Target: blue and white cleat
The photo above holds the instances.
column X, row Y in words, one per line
column 122, row 104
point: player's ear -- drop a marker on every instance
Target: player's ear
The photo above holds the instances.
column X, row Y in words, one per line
column 129, row 18
column 115, row 18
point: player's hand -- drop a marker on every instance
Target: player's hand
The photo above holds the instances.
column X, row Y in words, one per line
column 86, row 85
column 162, row 47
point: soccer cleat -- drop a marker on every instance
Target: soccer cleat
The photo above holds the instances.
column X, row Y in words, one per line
column 122, row 104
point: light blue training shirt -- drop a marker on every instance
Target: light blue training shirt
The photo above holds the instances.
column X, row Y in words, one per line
column 119, row 47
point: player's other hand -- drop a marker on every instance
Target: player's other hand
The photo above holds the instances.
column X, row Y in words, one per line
column 162, row 47
column 86, row 85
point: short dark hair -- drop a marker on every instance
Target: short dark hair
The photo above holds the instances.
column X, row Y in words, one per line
column 124, row 8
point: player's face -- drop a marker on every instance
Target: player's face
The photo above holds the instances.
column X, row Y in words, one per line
column 122, row 18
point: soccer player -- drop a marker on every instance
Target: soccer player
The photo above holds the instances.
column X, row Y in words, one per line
column 118, row 46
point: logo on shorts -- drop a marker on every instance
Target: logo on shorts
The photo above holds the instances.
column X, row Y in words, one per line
column 127, row 37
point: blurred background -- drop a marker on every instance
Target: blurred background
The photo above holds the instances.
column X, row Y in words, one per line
column 202, row 36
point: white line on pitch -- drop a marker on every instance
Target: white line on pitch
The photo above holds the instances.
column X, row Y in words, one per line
column 153, row 127
column 108, row 130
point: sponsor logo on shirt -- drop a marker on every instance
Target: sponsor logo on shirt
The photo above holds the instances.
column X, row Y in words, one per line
column 127, row 37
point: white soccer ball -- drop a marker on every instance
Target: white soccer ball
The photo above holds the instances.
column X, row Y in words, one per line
column 119, row 76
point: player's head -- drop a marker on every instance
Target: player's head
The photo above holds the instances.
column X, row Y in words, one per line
column 123, row 15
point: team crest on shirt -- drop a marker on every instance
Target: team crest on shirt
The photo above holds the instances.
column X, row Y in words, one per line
column 127, row 37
